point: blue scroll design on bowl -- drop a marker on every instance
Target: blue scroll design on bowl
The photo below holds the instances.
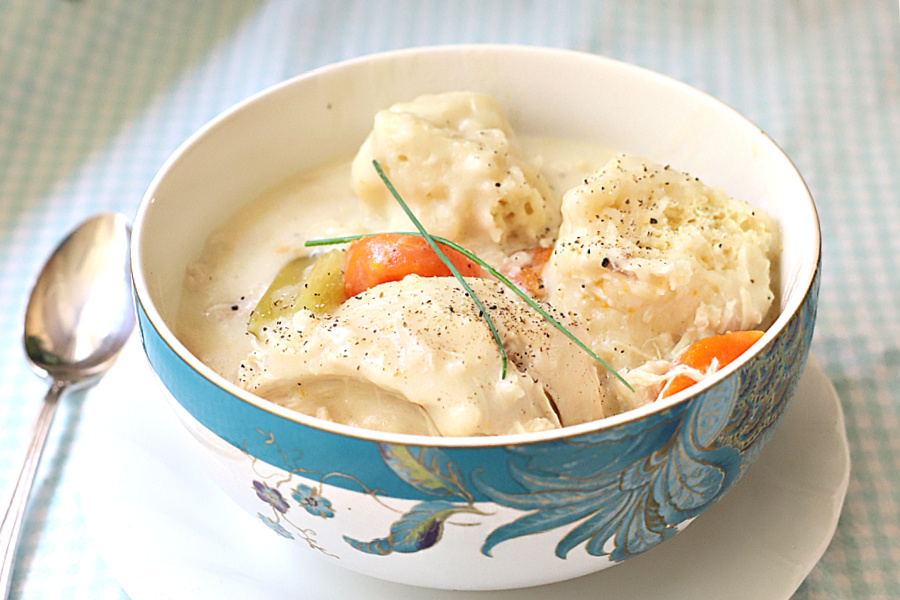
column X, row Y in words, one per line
column 621, row 495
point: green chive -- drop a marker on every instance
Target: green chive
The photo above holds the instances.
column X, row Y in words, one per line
column 432, row 242
column 437, row 250
column 518, row 291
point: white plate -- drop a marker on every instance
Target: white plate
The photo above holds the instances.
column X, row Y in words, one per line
column 166, row 531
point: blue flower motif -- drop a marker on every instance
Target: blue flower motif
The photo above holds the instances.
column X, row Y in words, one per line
column 275, row 526
column 271, row 496
column 313, row 503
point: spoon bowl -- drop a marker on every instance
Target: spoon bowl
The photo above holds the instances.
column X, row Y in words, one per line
column 79, row 316
column 81, row 312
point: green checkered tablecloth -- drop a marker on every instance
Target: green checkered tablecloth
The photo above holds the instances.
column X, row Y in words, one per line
column 95, row 94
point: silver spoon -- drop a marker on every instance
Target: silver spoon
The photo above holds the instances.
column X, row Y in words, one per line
column 79, row 316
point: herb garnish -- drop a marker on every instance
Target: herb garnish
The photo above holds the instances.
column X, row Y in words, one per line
column 446, row 261
column 433, row 241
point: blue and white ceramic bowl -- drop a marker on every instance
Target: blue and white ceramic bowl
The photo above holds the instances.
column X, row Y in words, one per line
column 476, row 513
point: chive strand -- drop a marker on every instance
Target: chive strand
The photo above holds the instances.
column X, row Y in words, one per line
column 433, row 243
column 537, row 307
column 495, row 273
column 437, row 250
column 337, row 240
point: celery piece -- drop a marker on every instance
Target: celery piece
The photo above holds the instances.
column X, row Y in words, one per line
column 307, row 282
column 323, row 289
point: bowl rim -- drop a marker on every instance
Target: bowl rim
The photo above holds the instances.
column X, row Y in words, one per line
column 145, row 303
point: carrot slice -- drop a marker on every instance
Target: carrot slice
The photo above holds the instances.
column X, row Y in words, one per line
column 386, row 257
column 710, row 354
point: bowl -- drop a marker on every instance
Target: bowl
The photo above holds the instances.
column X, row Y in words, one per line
column 488, row 512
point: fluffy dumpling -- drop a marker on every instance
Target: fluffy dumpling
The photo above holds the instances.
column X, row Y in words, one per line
column 415, row 356
column 653, row 260
column 454, row 159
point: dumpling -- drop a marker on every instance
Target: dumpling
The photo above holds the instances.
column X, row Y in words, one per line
column 419, row 348
column 454, row 159
column 653, row 260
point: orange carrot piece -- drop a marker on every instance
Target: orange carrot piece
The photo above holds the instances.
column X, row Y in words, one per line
column 528, row 277
column 718, row 349
column 386, row 257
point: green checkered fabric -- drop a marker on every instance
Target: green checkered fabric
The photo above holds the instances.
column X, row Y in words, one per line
column 95, row 94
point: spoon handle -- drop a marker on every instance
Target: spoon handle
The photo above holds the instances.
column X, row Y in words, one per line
column 15, row 514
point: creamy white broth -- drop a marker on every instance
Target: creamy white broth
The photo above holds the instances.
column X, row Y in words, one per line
column 565, row 163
